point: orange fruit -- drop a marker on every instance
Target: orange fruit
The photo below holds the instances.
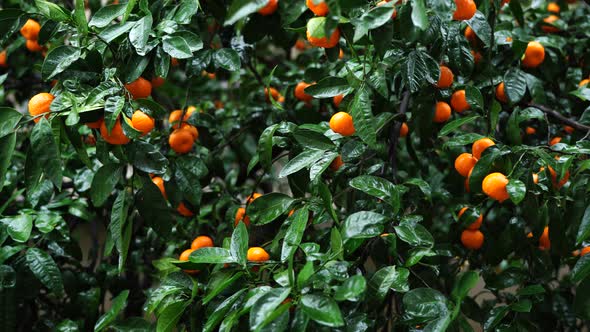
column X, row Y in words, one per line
column 442, row 112
column 174, row 117
column 535, row 178
column 509, row 39
column 544, row 242
column 476, row 224
column 470, row 35
column 445, row 78
column 159, row 182
column 476, row 56
column 273, row 92
column 466, row 183
column 459, row 101
column 95, row 124
column 534, row 55
column 184, row 211
column 319, row 8
column 472, row 239
column 584, row 82
column 140, row 88
column 174, row 61
column 193, row 130
column 300, row 93
column 33, row 46
column 336, row 163
column 201, row 241
column 547, row 24
column 218, row 104
column 241, row 215
column 252, row 198
column 158, row 82
column 340, row 54
column 342, row 124
column 3, row 59
column 568, row 129
column 39, row 104
column 553, row 7
column 381, row 3
column 500, row 94
column 323, row 41
column 337, row 100
column 300, row 44
column 494, row 185
column 181, row 140
column 30, row 30
column 184, row 257
column 530, row 130
column 554, row 140
column 291, row 213
column 270, row 8
column 584, row 251
column 116, row 136
column 142, row 122
column 465, row 10
column 403, row 130
column 563, row 181
column 465, row 163
column 257, row 254
column 480, row 145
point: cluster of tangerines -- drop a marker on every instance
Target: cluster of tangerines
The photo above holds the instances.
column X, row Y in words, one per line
column 255, row 254
column 31, row 33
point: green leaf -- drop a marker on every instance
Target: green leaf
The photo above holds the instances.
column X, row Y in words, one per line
column 46, row 151
column 7, row 145
column 464, row 284
column 222, row 310
column 146, row 157
column 19, row 227
column 177, row 47
column 140, row 33
column 119, row 213
column 59, row 59
column 8, row 251
column 517, row 190
column 582, row 300
column 456, row 124
column 362, row 225
column 371, row 19
column 9, row 118
column 322, row 309
column 170, row 315
column 218, row 282
column 364, row 122
column 419, row 17
column 582, row 269
column 387, row 278
column 105, row 15
column 495, row 316
column 114, row 31
column 424, row 303
column 318, row 168
column 312, row 139
column 239, row 244
column 583, row 231
column 523, row 305
column 415, row 235
column 117, row 304
column 294, row 233
column 152, row 207
column 242, row 8
column 375, row 186
column 480, row 26
column 514, row 84
column 301, row 161
column 80, row 17
column 418, row 69
column 474, row 97
column 351, row 289
column 188, row 182
column 104, row 182
column 329, row 87
column 52, row 11
column 45, row 269
column 267, row 208
column 265, row 305
column 186, row 10
column 227, row 58
column 211, row 255
column 265, row 146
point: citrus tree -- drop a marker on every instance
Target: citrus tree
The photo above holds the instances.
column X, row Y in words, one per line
column 274, row 165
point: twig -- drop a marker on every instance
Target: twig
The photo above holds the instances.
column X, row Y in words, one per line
column 394, row 138
column 556, row 115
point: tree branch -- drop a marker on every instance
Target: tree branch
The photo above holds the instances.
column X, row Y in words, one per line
column 394, row 138
column 556, row 115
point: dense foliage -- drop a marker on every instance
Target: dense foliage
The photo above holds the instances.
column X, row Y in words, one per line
column 452, row 193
